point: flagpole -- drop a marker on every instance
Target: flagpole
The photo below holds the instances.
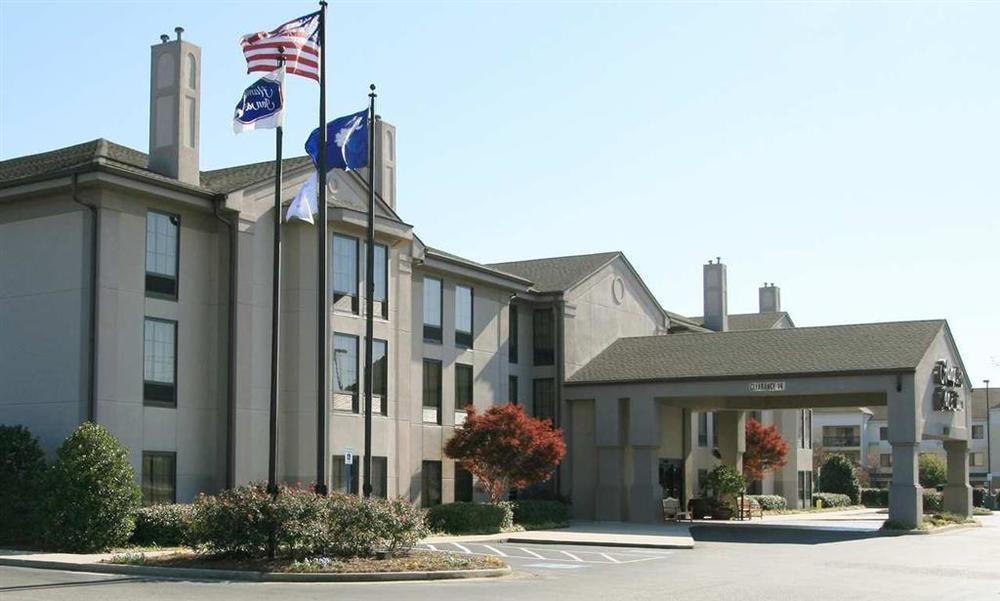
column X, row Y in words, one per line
column 322, row 290
column 272, row 457
column 370, row 296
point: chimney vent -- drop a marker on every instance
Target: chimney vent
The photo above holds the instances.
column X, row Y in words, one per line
column 769, row 297
column 715, row 291
column 163, row 38
column 175, row 108
column 178, row 31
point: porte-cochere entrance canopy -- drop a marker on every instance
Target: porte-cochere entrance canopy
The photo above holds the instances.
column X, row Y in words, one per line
column 631, row 402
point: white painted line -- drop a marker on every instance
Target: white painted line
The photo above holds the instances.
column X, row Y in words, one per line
column 571, row 556
column 609, row 558
column 432, row 547
column 495, row 550
column 463, row 548
column 531, row 552
column 554, row 566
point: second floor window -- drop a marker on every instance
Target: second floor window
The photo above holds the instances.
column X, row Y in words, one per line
column 702, row 429
column 380, row 371
column 162, row 248
column 345, row 269
column 159, row 361
column 432, row 391
column 883, row 433
column 463, row 386
column 432, row 309
column 544, row 343
column 977, row 432
column 512, row 390
column 463, row 316
column 382, row 278
column 512, row 335
column 345, row 364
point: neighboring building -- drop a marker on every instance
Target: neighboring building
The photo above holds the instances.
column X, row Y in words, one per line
column 135, row 291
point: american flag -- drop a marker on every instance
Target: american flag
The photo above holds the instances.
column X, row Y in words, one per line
column 300, row 39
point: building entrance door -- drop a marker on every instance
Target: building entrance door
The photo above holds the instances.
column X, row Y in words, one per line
column 672, row 477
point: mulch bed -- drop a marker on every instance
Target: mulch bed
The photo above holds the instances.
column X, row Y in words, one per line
column 415, row 561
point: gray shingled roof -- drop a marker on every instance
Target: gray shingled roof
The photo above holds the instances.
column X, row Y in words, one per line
column 750, row 321
column 556, row 274
column 875, row 347
column 241, row 176
column 470, row 263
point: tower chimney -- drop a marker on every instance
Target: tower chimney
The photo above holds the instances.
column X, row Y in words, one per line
column 716, row 305
column 385, row 158
column 174, row 108
column 769, row 296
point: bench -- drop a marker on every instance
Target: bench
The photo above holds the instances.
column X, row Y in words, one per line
column 672, row 510
column 746, row 509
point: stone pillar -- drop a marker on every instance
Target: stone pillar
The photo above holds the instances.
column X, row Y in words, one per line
column 732, row 437
column 958, row 493
column 610, row 500
column 906, row 500
column 645, row 494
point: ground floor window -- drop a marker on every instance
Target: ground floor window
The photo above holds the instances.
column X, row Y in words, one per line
column 977, row 459
column 345, row 477
column 463, row 485
column 430, row 479
column 380, row 477
column 885, row 460
column 159, row 477
column 544, row 399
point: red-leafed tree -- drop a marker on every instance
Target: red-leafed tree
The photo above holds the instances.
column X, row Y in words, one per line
column 766, row 450
column 506, row 449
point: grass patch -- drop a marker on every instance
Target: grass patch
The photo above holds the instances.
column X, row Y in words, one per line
column 415, row 561
column 931, row 522
column 812, row 510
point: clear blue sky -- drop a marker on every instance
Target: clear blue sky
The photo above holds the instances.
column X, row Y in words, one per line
column 848, row 152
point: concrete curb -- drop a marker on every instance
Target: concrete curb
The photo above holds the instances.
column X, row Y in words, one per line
column 938, row 530
column 244, row 575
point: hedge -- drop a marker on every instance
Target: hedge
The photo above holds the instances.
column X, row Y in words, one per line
column 875, row 497
column 770, row 502
column 163, row 525
column 22, row 468
column 535, row 513
column 470, row 518
column 831, row 499
column 933, row 501
column 837, row 476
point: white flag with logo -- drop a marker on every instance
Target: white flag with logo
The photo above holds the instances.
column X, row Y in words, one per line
column 304, row 204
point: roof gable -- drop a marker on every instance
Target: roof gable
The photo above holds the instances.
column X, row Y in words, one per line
column 557, row 274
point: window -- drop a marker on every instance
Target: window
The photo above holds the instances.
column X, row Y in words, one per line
column 883, row 433
column 512, row 390
column 380, row 477
column 885, row 460
column 162, row 249
column 345, row 269
column 345, row 477
column 544, row 398
column 159, row 477
column 380, row 373
column 702, row 429
column 463, row 386
column 382, row 278
column 543, row 331
column 432, row 310
column 345, row 364
column 977, row 459
column 463, row 485
column 159, row 362
column 715, row 428
column 430, row 489
column 977, row 432
column 841, row 436
column 463, row 316
column 512, row 335
column 432, row 391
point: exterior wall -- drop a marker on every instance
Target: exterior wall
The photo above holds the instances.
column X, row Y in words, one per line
column 44, row 315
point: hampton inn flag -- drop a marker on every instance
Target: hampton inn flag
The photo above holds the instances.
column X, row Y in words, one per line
column 262, row 104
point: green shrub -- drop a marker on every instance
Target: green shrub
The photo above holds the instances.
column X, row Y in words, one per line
column 470, row 518
column 770, row 502
column 725, row 482
column 91, row 495
column 979, row 496
column 875, row 497
column 351, row 527
column 932, row 470
column 933, row 501
column 837, row 476
column 22, row 468
column 399, row 523
column 533, row 513
column 163, row 525
column 832, row 499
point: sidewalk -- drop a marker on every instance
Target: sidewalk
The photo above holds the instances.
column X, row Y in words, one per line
column 604, row 534
column 848, row 520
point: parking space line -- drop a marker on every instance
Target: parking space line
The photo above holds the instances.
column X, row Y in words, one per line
column 432, row 547
column 531, row 552
column 571, row 556
column 609, row 558
column 495, row 550
column 463, row 548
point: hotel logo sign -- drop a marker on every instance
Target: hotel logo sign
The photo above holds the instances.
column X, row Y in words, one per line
column 767, row 387
column 948, row 381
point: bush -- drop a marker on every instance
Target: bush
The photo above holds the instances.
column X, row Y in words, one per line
column 932, row 470
column 400, row 524
column 92, row 496
column 351, row 531
column 725, row 482
column 979, row 496
column 770, row 502
column 163, row 525
column 22, row 467
column 246, row 522
column 534, row 513
column 933, row 501
column 875, row 497
column 837, row 476
column 470, row 518
column 832, row 499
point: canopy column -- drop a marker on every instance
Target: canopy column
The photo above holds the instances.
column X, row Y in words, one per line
column 958, row 492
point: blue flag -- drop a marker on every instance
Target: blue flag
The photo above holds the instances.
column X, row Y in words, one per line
column 346, row 142
column 262, row 104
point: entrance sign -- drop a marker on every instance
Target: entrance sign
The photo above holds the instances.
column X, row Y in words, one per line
column 767, row 387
